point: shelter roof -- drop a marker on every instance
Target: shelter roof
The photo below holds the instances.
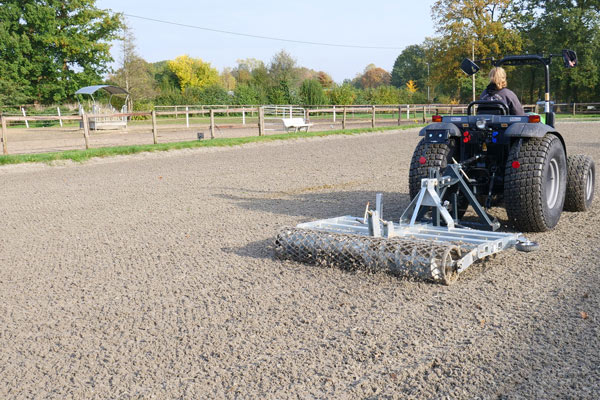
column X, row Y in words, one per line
column 109, row 88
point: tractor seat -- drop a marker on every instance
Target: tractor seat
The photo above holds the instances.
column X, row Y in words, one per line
column 488, row 107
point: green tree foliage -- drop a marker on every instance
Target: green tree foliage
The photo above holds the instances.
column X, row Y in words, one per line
column 411, row 64
column 344, row 94
column 193, row 72
column 249, row 94
column 311, row 92
column 51, row 48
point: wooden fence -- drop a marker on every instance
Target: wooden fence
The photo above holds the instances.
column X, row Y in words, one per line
column 366, row 115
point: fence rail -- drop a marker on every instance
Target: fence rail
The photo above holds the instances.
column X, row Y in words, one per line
column 324, row 115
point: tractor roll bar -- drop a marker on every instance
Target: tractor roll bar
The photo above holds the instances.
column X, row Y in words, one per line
column 531, row 59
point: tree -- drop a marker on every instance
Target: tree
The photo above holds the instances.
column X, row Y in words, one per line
column 572, row 24
column 135, row 74
column 411, row 86
column 311, row 92
column 248, row 94
column 411, row 64
column 489, row 25
column 193, row 72
column 283, row 68
column 228, row 80
column 374, row 76
column 243, row 73
column 325, row 79
column 343, row 94
column 50, row 49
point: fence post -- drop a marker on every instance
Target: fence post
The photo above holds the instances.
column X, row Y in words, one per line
column 573, row 109
column 212, row 123
column 408, row 111
column 243, row 116
column 344, row 119
column 261, row 121
column 333, row 113
column 373, row 117
column 154, row 128
column 399, row 114
column 4, row 144
column 175, row 112
column 59, row 119
column 187, row 117
column 25, row 115
column 227, row 110
column 306, row 116
column 86, row 130
column 424, row 113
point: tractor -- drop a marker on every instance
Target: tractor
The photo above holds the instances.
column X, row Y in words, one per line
column 520, row 162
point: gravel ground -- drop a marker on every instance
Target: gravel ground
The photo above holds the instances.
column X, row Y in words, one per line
column 151, row 276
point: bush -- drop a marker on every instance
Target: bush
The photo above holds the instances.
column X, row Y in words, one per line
column 311, row 92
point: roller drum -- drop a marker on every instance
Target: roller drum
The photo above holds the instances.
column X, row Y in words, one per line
column 423, row 259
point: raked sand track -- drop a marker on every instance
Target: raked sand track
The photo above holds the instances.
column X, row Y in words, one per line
column 151, row 276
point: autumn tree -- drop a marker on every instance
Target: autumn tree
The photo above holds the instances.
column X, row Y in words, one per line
column 373, row 77
column 325, row 79
column 193, row 72
column 51, row 48
column 489, row 25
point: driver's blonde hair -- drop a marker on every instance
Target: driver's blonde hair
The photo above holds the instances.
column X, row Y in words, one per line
column 498, row 77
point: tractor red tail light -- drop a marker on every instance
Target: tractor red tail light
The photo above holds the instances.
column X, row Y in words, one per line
column 436, row 118
column 466, row 137
column 516, row 164
column 422, row 160
column 534, row 119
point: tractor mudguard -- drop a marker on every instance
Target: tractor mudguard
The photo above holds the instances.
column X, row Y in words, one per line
column 521, row 129
column 439, row 132
column 525, row 130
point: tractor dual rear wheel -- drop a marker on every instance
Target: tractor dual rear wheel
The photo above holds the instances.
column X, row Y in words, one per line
column 581, row 183
column 535, row 183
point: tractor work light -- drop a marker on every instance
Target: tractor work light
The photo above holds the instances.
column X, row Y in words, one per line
column 436, row 118
column 480, row 124
column 534, row 119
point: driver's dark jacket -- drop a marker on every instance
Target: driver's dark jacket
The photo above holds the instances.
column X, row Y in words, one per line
column 504, row 95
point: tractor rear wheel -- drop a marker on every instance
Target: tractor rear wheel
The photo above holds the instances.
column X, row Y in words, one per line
column 535, row 183
column 580, row 184
column 433, row 155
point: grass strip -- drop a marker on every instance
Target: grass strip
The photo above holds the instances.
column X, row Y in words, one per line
column 83, row 155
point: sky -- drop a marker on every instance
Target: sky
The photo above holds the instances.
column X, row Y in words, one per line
column 386, row 23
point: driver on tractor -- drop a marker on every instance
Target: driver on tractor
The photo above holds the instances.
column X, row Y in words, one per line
column 497, row 90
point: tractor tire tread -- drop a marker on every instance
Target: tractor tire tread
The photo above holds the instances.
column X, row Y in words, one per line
column 523, row 185
column 578, row 166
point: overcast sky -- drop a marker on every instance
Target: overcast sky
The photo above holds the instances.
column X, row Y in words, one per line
column 365, row 23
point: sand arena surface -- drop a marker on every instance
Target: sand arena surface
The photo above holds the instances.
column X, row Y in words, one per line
column 151, row 276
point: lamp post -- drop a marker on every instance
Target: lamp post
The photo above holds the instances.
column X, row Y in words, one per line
column 473, row 54
column 428, row 83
